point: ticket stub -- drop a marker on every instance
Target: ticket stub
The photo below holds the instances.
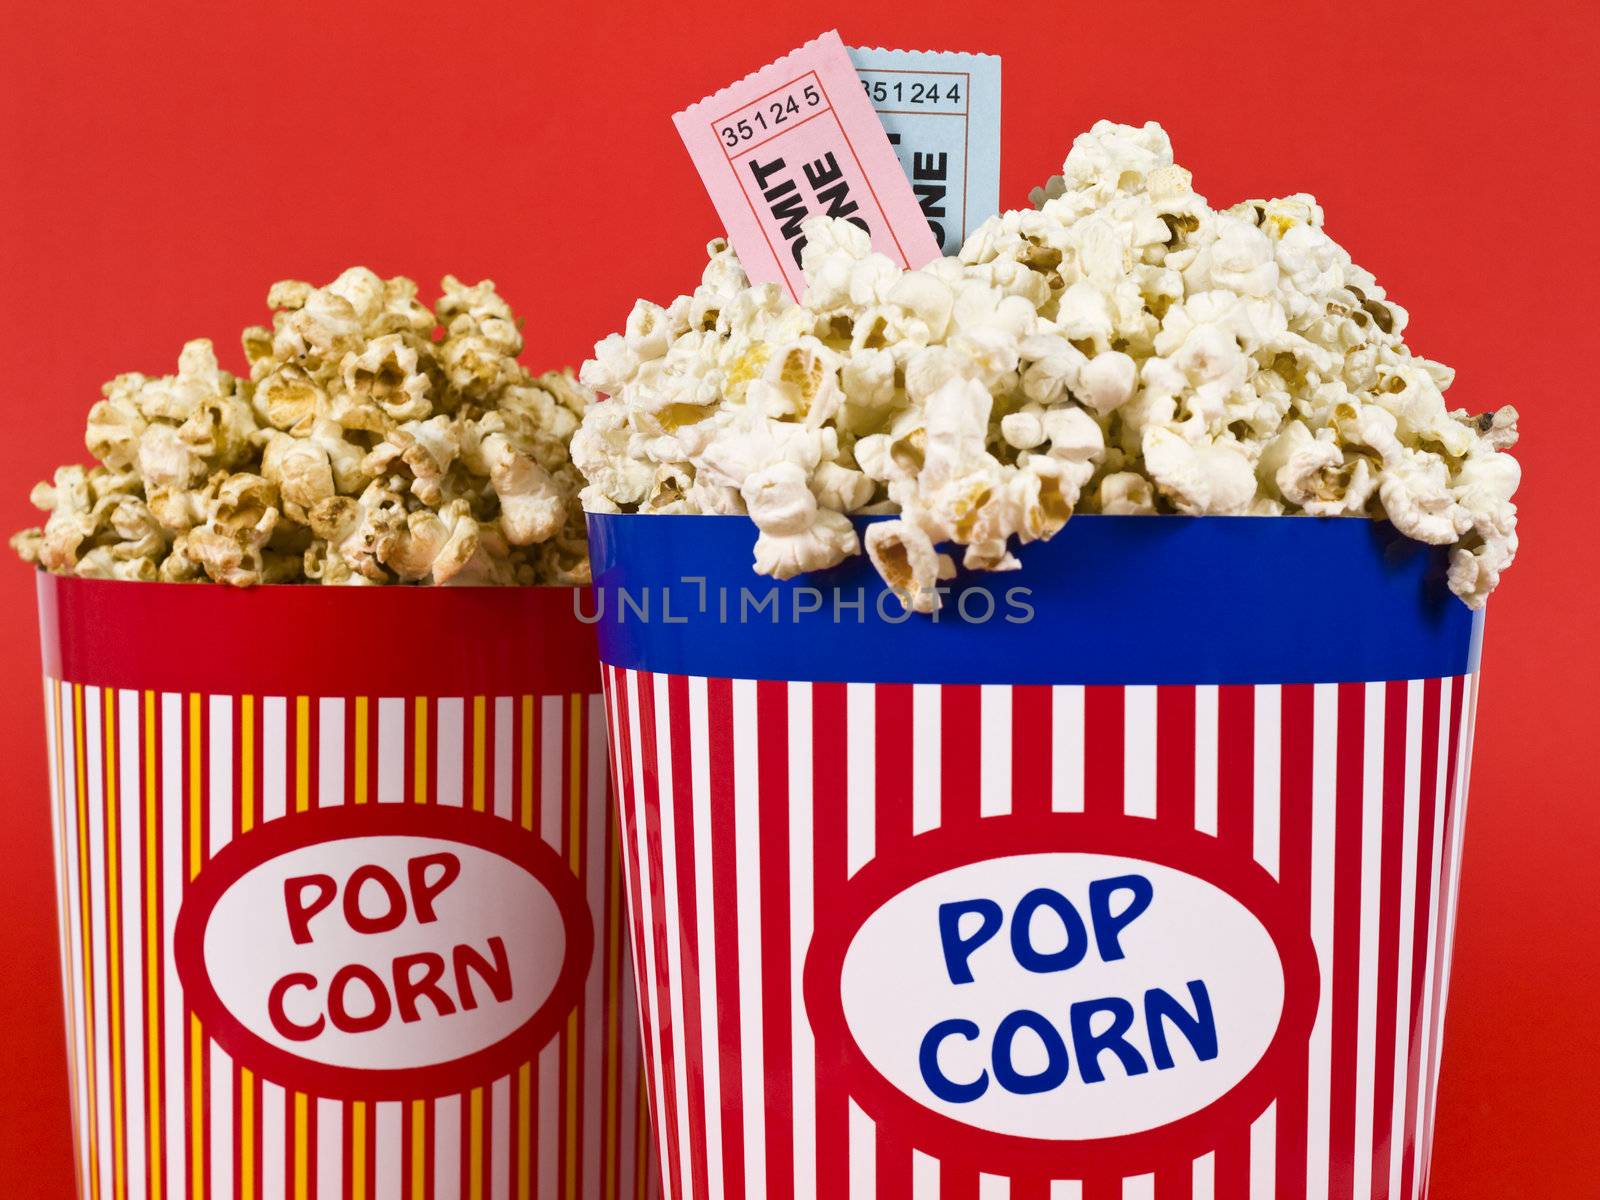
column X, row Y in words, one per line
column 795, row 139
column 942, row 114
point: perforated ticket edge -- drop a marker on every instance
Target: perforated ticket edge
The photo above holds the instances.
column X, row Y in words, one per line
column 979, row 202
column 891, row 190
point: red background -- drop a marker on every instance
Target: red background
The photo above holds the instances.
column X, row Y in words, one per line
column 161, row 165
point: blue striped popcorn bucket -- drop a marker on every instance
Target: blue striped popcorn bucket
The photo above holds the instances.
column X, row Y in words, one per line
column 1132, row 874
column 340, row 895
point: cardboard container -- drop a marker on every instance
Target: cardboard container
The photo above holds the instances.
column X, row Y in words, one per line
column 1134, row 875
column 339, row 893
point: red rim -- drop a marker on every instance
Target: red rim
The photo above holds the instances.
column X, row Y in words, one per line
column 320, row 641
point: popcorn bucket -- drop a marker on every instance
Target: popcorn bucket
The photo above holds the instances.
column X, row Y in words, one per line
column 1134, row 874
column 340, row 898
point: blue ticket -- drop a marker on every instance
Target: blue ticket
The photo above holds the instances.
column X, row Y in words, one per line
column 942, row 114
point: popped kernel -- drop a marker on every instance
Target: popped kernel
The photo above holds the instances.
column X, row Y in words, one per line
column 1120, row 348
column 375, row 441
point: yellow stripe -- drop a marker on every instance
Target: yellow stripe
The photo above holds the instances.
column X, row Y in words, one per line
column 247, row 804
column 194, row 784
column 302, row 753
column 420, row 750
column 247, row 1131
column 527, row 762
column 302, row 802
column 302, row 1173
column 361, row 750
column 152, row 950
column 525, row 1131
column 358, row 1149
column 479, row 713
column 80, row 778
column 247, row 763
column 419, row 1130
column 197, row 1109
column 197, row 1044
column 113, row 847
column 475, row 1145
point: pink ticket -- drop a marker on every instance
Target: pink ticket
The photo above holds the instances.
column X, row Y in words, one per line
column 797, row 138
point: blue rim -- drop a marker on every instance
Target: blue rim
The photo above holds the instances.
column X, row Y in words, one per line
column 1109, row 600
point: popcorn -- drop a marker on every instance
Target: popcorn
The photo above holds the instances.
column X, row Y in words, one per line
column 1121, row 348
column 369, row 445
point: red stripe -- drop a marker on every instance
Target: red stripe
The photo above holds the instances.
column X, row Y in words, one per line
column 1175, row 786
column 487, row 1152
column 1346, row 937
column 1236, row 767
column 610, row 999
column 960, row 802
column 1297, row 747
column 688, row 926
column 432, row 751
column 1031, row 768
column 372, row 753
column 1175, row 736
column 1236, row 732
column 1030, row 1189
column 1176, row 1182
column 1441, row 961
column 650, row 808
column 1394, row 788
column 430, row 1163
column 1103, row 742
column 725, row 918
column 406, row 1150
column 346, row 1131
column 830, row 815
column 314, row 739
column 469, row 730
column 346, row 1125
column 1427, row 816
column 630, row 818
column 1233, row 1165
column 408, row 774
column 371, row 1140
column 892, row 832
column 1030, row 756
column 960, row 718
column 490, row 738
column 772, row 767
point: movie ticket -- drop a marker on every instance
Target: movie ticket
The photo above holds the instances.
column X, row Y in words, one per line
column 798, row 138
column 942, row 114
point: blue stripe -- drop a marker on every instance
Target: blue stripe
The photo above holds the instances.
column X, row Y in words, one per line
column 1123, row 600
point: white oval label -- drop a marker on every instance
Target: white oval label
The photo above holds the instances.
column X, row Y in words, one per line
column 384, row 949
column 1063, row 995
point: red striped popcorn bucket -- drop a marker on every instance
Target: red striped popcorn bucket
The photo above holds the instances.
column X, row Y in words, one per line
column 1133, row 875
column 340, row 899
